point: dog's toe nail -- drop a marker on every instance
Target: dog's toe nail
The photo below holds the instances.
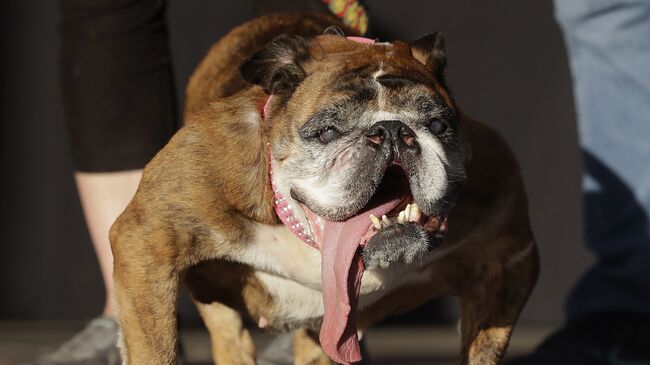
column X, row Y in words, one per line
column 263, row 322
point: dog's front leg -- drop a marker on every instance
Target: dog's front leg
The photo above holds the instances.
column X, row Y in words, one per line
column 490, row 306
column 146, row 288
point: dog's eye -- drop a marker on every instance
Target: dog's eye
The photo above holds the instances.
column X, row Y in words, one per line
column 328, row 134
column 437, row 126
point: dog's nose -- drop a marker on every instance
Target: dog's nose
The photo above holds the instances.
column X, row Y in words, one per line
column 390, row 131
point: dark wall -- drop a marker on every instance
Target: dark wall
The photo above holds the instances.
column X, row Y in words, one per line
column 507, row 67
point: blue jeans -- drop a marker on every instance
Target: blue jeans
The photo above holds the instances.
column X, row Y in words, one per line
column 608, row 43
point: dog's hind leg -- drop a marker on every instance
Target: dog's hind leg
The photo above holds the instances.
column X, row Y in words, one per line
column 491, row 303
column 307, row 350
column 231, row 342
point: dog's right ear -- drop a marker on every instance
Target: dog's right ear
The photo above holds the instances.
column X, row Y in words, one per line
column 278, row 66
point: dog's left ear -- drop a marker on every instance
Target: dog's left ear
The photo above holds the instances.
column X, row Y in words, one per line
column 278, row 66
column 430, row 50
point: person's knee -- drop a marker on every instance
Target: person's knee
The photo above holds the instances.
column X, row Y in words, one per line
column 607, row 13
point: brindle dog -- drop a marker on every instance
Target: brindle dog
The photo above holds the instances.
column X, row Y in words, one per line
column 331, row 183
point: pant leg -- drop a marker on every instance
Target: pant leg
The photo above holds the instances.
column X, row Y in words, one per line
column 116, row 81
column 608, row 44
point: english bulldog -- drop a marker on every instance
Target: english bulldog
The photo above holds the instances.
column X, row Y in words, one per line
column 321, row 183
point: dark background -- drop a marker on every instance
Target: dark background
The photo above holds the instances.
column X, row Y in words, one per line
column 507, row 67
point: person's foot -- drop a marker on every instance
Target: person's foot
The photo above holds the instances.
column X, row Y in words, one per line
column 94, row 345
column 603, row 339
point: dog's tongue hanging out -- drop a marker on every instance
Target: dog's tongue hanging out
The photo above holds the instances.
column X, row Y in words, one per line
column 341, row 271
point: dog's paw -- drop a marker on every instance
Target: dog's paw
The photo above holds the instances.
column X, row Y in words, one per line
column 395, row 241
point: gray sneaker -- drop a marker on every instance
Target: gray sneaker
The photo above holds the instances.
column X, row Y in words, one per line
column 94, row 345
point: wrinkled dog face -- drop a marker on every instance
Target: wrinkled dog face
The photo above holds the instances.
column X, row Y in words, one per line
column 383, row 121
column 360, row 128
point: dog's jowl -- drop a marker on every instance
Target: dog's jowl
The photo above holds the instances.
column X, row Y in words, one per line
column 320, row 184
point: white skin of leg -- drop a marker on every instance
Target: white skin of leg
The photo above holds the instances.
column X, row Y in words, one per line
column 103, row 197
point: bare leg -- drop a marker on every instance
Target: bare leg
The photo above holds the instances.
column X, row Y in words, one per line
column 103, row 197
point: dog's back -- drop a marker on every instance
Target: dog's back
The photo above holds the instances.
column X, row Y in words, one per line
column 217, row 76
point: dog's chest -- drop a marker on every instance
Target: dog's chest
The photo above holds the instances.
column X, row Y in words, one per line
column 290, row 271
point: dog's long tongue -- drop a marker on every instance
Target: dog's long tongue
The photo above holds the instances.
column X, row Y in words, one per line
column 341, row 279
column 341, row 271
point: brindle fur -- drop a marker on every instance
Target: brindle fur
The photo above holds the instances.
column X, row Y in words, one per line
column 202, row 195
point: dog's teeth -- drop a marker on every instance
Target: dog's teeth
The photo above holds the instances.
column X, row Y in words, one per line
column 400, row 217
column 407, row 212
column 375, row 222
column 385, row 220
column 415, row 213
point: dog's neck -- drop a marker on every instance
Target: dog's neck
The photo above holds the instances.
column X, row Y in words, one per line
column 281, row 205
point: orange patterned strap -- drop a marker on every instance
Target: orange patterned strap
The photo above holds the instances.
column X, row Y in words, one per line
column 351, row 12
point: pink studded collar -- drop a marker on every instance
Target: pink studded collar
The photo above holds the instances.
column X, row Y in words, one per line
column 282, row 207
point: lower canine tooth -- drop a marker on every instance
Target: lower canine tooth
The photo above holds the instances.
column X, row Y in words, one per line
column 375, row 221
column 400, row 218
column 415, row 213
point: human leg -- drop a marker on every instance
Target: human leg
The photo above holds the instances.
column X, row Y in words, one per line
column 609, row 309
column 609, row 51
column 119, row 101
column 103, row 197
